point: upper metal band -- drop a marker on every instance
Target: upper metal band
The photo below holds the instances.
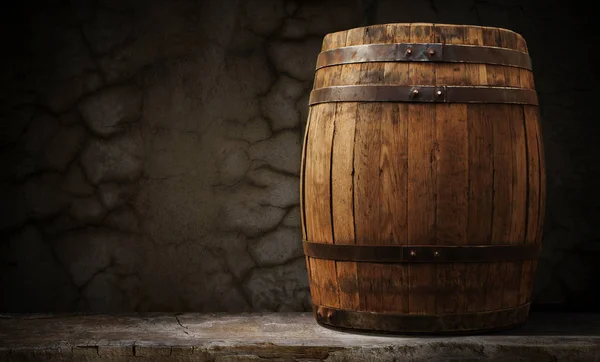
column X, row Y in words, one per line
column 418, row 93
column 424, row 52
column 422, row 253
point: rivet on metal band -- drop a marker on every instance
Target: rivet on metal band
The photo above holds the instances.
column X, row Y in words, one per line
column 424, row 52
column 422, row 323
column 423, row 93
column 422, row 253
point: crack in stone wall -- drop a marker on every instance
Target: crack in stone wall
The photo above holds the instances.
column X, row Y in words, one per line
column 151, row 152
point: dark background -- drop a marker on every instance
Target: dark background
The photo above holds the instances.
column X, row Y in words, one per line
column 150, row 149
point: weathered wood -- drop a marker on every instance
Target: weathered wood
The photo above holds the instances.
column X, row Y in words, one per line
column 502, row 197
column 317, row 199
column 342, row 170
column 317, row 174
column 518, row 204
column 422, row 183
column 481, row 172
column 372, row 288
column 348, row 285
column 508, row 39
column 533, row 198
column 303, row 175
column 342, row 164
column 323, row 272
column 315, row 283
column 393, row 163
column 386, row 173
column 475, row 74
column 480, row 180
column 452, row 178
column 387, row 286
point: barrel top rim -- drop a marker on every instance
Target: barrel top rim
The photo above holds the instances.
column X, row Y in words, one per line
column 424, row 23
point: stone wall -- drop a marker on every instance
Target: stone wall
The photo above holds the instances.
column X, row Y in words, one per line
column 150, row 149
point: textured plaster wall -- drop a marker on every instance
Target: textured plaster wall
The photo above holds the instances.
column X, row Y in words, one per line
column 150, row 149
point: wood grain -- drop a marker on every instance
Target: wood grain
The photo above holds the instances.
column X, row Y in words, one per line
column 315, row 282
column 318, row 222
column 367, row 153
column 325, row 274
column 475, row 74
column 317, row 199
column 508, row 39
column 502, row 196
column 518, row 204
column 342, row 169
column 422, row 182
column 479, row 219
column 303, row 174
column 481, row 181
column 389, row 288
column 452, row 201
column 533, row 196
column 534, row 113
column 348, row 285
column 327, row 270
column 536, row 197
column 343, row 181
column 449, row 73
column 452, row 178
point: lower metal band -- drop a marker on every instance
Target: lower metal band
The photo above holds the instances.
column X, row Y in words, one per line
column 422, row 323
column 422, row 253
column 423, row 93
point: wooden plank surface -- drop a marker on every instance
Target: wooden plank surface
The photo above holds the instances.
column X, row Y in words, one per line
column 502, row 196
column 481, row 151
column 367, row 152
column 389, row 287
column 533, row 112
column 533, row 177
column 452, row 187
column 533, row 197
column 342, row 167
column 393, row 163
column 536, row 194
column 317, row 199
column 480, row 179
column 318, row 156
column 315, row 283
column 303, row 174
column 422, row 182
column 518, row 204
column 452, row 202
column 343, row 180
column 495, row 73
column 323, row 272
column 475, row 74
column 508, row 39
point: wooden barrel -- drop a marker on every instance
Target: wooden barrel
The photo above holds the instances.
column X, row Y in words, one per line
column 423, row 180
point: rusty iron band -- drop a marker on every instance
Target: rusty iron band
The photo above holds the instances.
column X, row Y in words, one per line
column 424, row 52
column 425, row 94
column 422, row 323
column 422, row 253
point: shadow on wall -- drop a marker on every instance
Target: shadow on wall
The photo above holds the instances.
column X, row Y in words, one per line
column 151, row 151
